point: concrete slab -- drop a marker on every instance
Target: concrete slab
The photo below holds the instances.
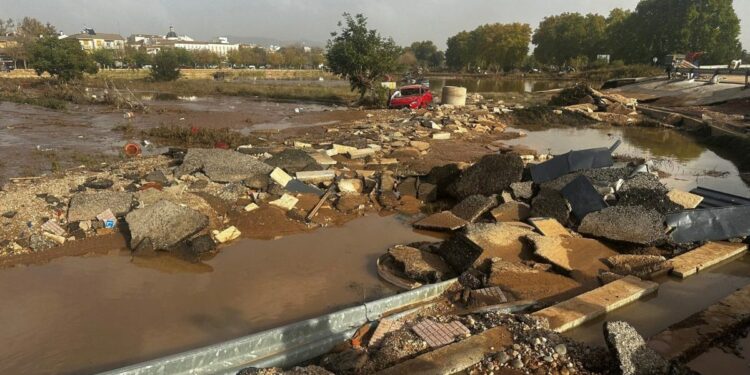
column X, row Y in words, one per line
column 316, row 176
column 280, row 177
column 581, row 256
column 549, row 226
column 360, row 153
column 587, row 306
column 443, row 221
column 456, row 357
column 286, row 202
column 694, row 261
column 685, row 199
column 323, row 159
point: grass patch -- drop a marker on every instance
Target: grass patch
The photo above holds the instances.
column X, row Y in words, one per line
column 51, row 103
column 197, row 137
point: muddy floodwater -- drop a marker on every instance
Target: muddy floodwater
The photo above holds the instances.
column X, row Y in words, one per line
column 688, row 163
column 86, row 314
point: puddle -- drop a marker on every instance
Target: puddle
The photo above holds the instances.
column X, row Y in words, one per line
column 673, row 302
column 88, row 314
column 673, row 152
column 718, row 361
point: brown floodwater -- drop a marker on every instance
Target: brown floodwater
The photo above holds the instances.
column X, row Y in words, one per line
column 717, row 360
column 689, row 163
column 98, row 312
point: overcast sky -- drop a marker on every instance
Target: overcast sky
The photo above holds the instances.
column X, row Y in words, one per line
column 404, row 20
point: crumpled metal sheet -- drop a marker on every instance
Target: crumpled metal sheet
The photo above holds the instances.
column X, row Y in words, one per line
column 583, row 197
column 711, row 224
column 714, row 198
column 573, row 161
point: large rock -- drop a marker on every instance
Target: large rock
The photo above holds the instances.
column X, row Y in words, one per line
column 491, row 175
column 163, row 225
column 293, row 161
column 419, row 265
column 634, row 224
column 633, row 356
column 550, row 203
column 443, row 177
column 85, row 206
column 473, row 207
column 222, row 165
column 646, row 190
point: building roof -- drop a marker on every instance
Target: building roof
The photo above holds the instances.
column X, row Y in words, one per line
column 98, row 36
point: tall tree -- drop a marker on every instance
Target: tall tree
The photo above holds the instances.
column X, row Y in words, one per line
column 459, row 56
column 361, row 55
column 166, row 64
column 564, row 37
column 28, row 32
column 427, row 54
column 496, row 46
column 61, row 58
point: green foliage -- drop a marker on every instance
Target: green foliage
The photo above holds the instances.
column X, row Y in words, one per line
column 360, row 55
column 493, row 46
column 104, row 57
column 655, row 29
column 247, row 56
column 61, row 58
column 427, row 55
column 166, row 65
column 568, row 36
column 136, row 58
column 205, row 58
column 184, row 57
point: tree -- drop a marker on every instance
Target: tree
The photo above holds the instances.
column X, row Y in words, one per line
column 27, row 32
column 427, row 54
column 361, row 55
column 275, row 59
column 104, row 57
column 317, row 57
column 255, row 56
column 136, row 58
column 293, row 56
column 661, row 27
column 498, row 46
column 408, row 59
column 166, row 65
column 7, row 27
column 61, row 58
column 562, row 38
column 184, row 57
column 459, row 56
column 205, row 58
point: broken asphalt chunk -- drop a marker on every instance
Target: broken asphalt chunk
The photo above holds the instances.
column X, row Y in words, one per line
column 163, row 225
column 85, row 206
column 443, row 221
column 633, row 224
column 490, row 175
column 221, row 165
column 571, row 162
column 473, row 207
column 583, row 197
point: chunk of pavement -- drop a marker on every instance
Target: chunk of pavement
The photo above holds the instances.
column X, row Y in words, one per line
column 163, row 225
column 643, row 266
column 98, row 183
column 485, row 241
column 350, row 186
column 408, row 187
column 419, row 265
column 511, row 211
column 633, row 224
column 226, row 235
column 490, row 175
column 201, row 245
column 474, row 206
column 221, row 165
column 286, row 202
column 583, row 197
column 280, row 177
column 646, row 190
column 387, row 182
column 440, row 334
column 550, row 203
column 523, row 190
column 525, row 283
column 39, row 242
column 443, row 177
column 299, row 187
column 388, row 199
column 427, row 192
column 293, row 160
column 85, row 206
column 580, row 256
column 549, row 227
column 420, row 145
column 442, row 221
column 316, row 176
column 633, row 356
column 684, row 199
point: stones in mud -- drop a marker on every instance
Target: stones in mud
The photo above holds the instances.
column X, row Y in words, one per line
column 163, row 225
column 388, row 199
column 511, row 211
column 85, row 206
column 408, row 187
column 490, row 175
column 293, row 161
column 158, row 177
column 307, row 370
column 257, row 182
column 633, row 356
column 633, row 224
column 98, row 183
column 221, row 165
column 427, row 192
column 550, row 203
column 419, row 265
column 39, row 242
column 474, row 206
column 201, row 245
column 351, row 202
column 350, row 186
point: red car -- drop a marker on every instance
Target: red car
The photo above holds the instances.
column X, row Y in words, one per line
column 413, row 96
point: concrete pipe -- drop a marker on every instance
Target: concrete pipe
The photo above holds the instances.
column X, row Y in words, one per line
column 454, row 95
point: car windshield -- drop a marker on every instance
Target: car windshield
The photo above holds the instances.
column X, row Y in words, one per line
column 409, row 92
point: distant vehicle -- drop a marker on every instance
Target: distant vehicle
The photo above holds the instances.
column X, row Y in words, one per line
column 251, row 67
column 413, row 96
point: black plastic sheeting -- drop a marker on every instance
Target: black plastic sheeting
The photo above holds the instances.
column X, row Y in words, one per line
column 710, row 224
column 714, row 198
column 573, row 161
column 583, row 197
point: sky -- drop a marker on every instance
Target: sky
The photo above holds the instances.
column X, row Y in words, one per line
column 404, row 20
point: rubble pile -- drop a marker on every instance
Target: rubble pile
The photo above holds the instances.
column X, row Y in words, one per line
column 610, row 108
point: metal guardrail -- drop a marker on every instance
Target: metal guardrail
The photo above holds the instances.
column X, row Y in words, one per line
column 284, row 346
column 743, row 70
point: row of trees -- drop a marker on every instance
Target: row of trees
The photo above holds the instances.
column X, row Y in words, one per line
column 493, row 46
column 655, row 28
column 294, row 56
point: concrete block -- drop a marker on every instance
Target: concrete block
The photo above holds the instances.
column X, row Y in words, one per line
column 694, row 261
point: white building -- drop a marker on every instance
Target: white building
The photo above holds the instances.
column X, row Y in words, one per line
column 219, row 48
